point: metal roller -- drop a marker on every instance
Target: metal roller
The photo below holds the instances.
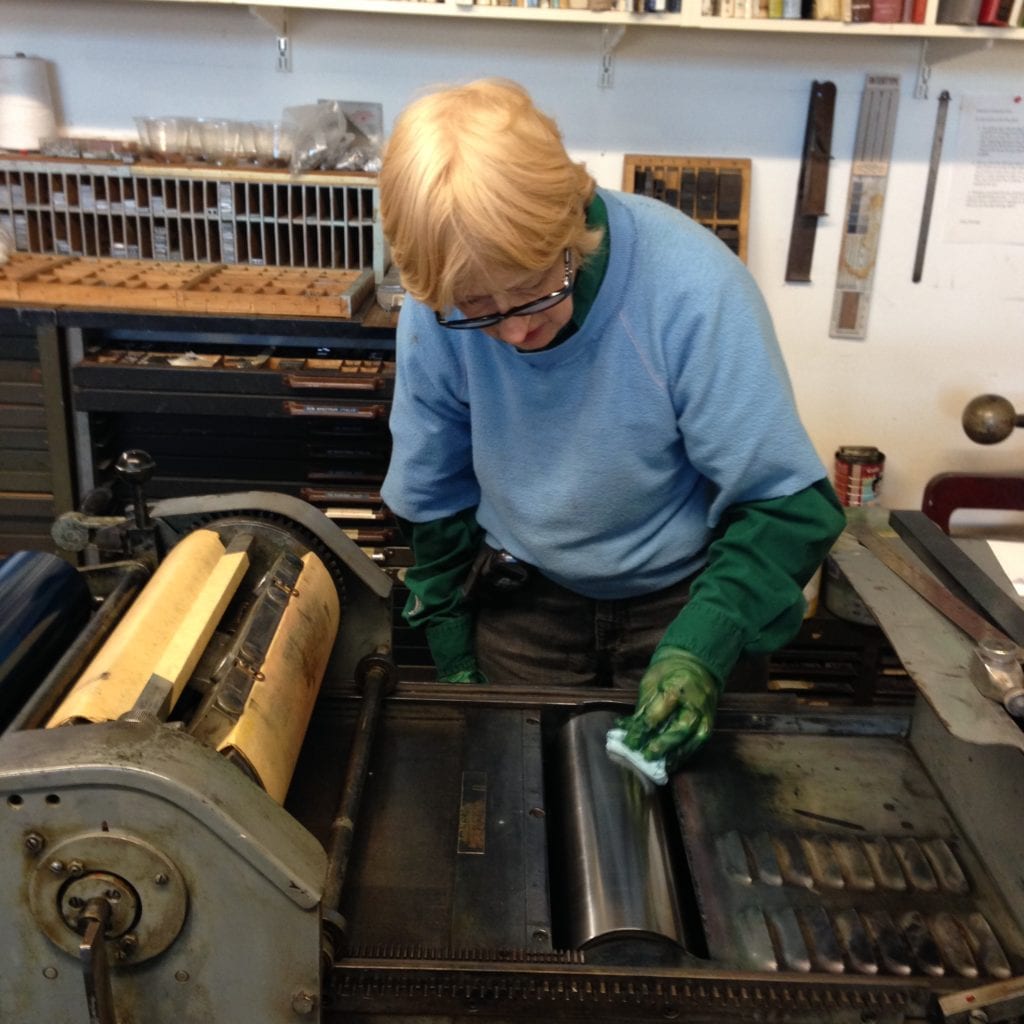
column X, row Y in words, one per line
column 163, row 633
column 621, row 891
column 249, row 616
column 259, row 709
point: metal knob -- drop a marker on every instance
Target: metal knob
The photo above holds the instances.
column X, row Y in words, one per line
column 136, row 467
column 989, row 419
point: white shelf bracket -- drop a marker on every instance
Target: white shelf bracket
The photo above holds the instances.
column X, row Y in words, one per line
column 935, row 51
column 610, row 38
column 277, row 19
column 924, row 72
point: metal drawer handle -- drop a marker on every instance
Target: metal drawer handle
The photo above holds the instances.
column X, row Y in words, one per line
column 347, row 383
column 348, row 412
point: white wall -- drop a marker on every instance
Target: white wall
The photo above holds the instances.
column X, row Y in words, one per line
column 930, row 348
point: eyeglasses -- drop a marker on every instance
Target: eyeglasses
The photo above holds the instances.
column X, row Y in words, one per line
column 526, row 309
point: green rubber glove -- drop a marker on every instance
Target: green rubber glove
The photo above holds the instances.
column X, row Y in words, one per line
column 468, row 677
column 675, row 707
column 451, row 647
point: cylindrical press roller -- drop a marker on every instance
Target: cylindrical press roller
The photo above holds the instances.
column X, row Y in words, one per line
column 242, row 618
column 161, row 636
column 618, row 870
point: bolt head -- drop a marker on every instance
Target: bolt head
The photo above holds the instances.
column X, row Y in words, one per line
column 57, row 867
column 76, row 868
column 34, row 842
column 303, row 1002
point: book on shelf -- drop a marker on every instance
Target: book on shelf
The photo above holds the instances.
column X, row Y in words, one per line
column 828, row 10
column 914, row 11
column 958, row 12
column 996, row 13
column 887, row 10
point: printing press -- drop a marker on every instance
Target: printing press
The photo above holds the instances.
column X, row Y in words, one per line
column 220, row 801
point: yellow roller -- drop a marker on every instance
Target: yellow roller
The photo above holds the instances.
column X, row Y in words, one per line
column 163, row 633
column 268, row 735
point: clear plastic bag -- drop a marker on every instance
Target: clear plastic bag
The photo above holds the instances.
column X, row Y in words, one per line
column 335, row 135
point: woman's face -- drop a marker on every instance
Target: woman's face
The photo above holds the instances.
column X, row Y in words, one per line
column 528, row 332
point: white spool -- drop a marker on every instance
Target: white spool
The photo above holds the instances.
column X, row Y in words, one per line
column 26, row 104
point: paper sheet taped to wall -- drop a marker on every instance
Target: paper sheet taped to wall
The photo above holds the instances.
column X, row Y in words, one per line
column 987, row 191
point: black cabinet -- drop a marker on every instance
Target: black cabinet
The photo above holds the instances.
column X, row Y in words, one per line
column 293, row 407
column 36, row 478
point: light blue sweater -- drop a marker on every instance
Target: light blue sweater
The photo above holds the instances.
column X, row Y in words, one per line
column 608, row 460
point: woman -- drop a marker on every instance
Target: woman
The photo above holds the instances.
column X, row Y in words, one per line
column 597, row 458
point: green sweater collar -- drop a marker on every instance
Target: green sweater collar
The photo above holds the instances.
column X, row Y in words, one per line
column 591, row 274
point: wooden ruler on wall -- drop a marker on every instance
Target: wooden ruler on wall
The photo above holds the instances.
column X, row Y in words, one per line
column 869, row 174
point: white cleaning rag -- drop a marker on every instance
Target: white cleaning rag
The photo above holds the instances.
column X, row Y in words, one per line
column 615, row 746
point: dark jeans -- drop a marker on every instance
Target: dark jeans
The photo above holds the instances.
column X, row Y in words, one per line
column 543, row 635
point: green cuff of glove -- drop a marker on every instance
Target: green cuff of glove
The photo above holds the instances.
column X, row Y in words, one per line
column 706, row 634
column 675, row 707
column 451, row 647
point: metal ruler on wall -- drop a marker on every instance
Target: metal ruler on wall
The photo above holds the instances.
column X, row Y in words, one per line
column 869, row 174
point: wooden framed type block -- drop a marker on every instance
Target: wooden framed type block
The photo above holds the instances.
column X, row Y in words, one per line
column 715, row 191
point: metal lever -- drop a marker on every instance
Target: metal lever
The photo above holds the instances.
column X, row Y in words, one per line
column 995, row 671
column 92, row 952
column 135, row 467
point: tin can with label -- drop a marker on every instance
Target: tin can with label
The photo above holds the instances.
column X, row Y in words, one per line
column 858, row 474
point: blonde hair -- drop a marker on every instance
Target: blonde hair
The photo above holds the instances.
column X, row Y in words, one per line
column 475, row 182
